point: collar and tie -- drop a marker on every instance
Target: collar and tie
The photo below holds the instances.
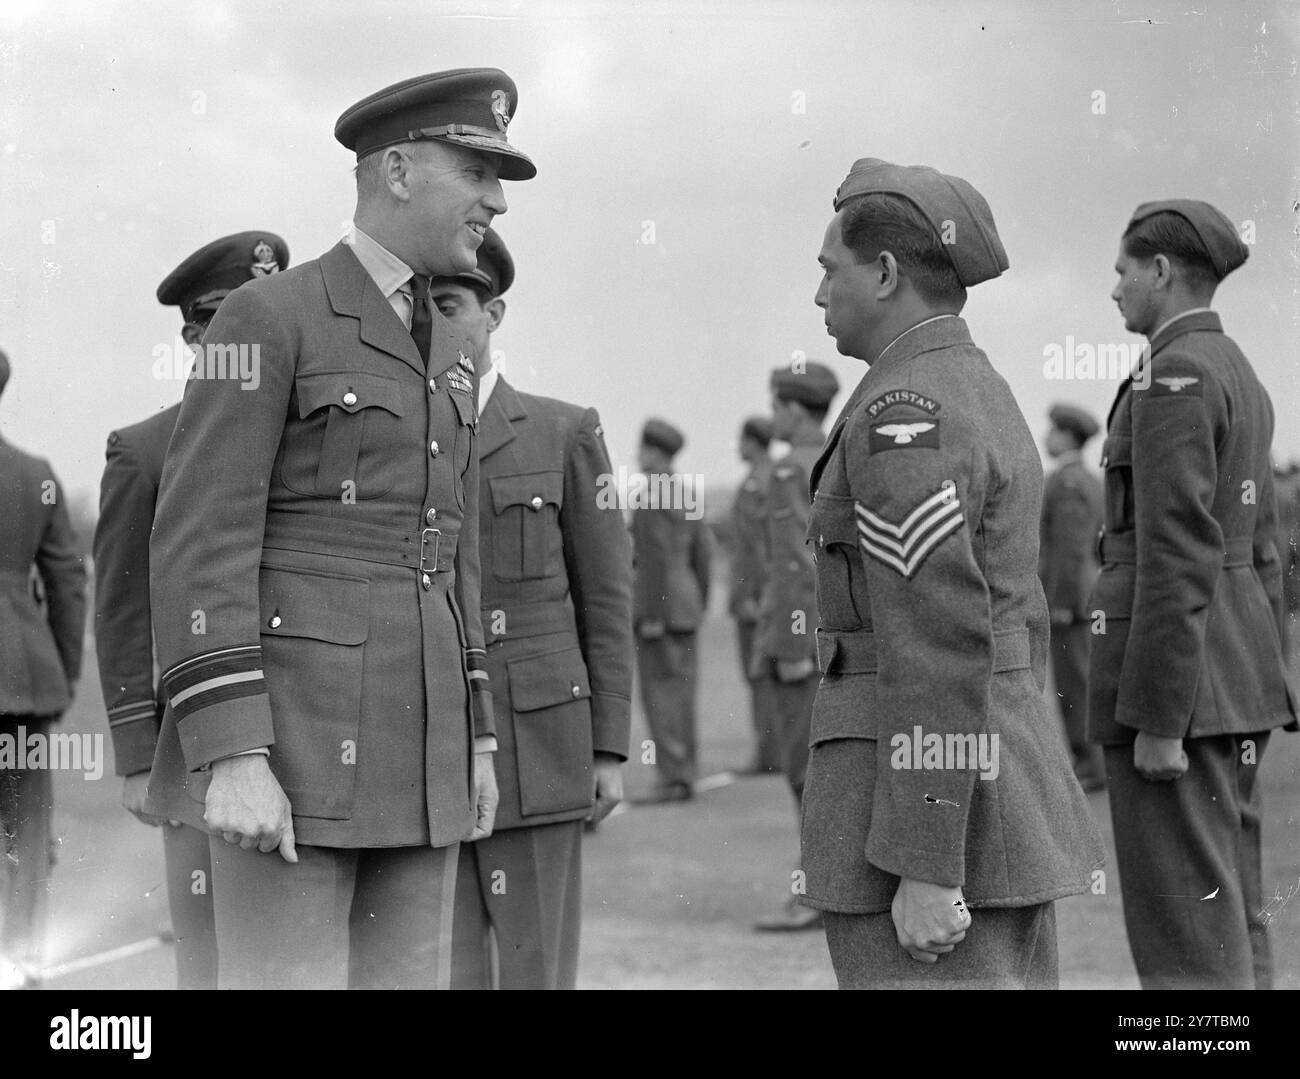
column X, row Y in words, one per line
column 421, row 317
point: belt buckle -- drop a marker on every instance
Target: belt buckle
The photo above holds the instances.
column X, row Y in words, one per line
column 424, row 546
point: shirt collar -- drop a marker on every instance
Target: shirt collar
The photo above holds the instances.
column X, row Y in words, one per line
column 923, row 322
column 486, row 384
column 1181, row 314
column 388, row 271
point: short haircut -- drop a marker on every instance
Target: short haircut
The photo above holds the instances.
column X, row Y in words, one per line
column 1171, row 235
column 370, row 169
column 880, row 222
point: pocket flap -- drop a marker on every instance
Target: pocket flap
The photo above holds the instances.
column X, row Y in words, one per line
column 832, row 521
column 547, row 680
column 533, row 489
column 464, row 407
column 324, row 607
column 1117, row 451
column 349, row 390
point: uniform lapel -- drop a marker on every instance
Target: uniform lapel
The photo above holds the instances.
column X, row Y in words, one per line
column 353, row 292
column 495, row 426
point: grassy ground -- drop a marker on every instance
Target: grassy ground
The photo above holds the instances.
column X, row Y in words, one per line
column 670, row 891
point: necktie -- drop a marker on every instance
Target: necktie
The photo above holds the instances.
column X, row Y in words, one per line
column 421, row 319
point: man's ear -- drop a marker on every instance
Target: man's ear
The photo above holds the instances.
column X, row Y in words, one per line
column 191, row 333
column 1164, row 271
column 496, row 311
column 886, row 275
column 396, row 171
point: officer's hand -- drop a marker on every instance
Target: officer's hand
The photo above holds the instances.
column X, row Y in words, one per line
column 928, row 919
column 651, row 631
column 246, row 805
column 607, row 771
column 794, row 670
column 486, row 796
column 134, row 791
column 1157, row 758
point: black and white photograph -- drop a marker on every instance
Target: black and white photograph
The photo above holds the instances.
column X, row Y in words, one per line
column 652, row 495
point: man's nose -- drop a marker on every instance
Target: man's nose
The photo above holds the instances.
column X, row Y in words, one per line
column 495, row 199
column 820, row 298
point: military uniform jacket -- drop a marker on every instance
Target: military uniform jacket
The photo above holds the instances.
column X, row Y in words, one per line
column 1067, row 547
column 749, row 544
column 1190, row 586
column 787, row 627
column 557, row 604
column 128, row 493
column 314, row 566
column 40, row 650
column 671, row 554
column 925, row 513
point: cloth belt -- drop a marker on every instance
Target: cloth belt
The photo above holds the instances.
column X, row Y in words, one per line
column 528, row 619
column 429, row 550
column 1121, row 548
column 855, row 652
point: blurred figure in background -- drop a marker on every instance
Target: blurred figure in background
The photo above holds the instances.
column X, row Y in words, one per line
column 40, row 660
column 671, row 552
column 786, row 648
column 1067, row 566
column 748, row 576
column 1287, row 481
column 128, row 493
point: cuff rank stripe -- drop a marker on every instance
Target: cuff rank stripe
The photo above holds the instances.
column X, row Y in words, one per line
column 132, row 713
column 214, row 677
column 903, row 547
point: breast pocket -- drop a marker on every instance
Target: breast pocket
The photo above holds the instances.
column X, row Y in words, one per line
column 1117, row 461
column 348, row 435
column 550, row 697
column 526, row 525
column 314, row 627
column 841, row 580
column 463, row 440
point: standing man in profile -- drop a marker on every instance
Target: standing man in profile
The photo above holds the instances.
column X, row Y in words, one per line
column 1067, row 566
column 748, row 576
column 128, row 494
column 1188, row 680
column 941, row 817
column 671, row 552
column 315, row 574
column 40, row 661
column 557, row 618
column 786, row 648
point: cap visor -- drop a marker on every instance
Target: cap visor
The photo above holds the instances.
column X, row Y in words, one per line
column 515, row 164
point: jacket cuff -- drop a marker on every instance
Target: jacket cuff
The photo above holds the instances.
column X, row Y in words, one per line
column 221, row 705
column 480, row 693
column 611, row 724
column 133, row 729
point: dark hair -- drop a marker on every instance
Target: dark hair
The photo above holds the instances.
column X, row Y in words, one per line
column 817, row 412
column 879, row 222
column 481, row 292
column 1171, row 235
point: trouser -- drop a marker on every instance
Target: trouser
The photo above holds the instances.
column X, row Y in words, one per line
column 667, row 667
column 26, row 817
column 189, row 898
column 1189, row 866
column 368, row 918
column 762, row 704
column 794, row 705
column 523, row 888
column 1004, row 948
column 1069, row 652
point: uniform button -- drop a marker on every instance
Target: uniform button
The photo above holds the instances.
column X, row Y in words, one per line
column 431, row 516
column 433, row 386
column 577, row 691
column 275, row 621
column 349, row 398
column 433, row 448
column 536, row 502
column 426, row 581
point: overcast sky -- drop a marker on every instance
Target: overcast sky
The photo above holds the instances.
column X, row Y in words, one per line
column 134, row 132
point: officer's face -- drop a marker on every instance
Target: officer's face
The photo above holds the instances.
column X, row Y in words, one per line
column 846, row 295
column 454, row 194
column 1135, row 292
column 459, row 305
column 1059, row 441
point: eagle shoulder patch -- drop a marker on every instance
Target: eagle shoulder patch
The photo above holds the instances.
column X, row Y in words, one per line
column 1176, row 386
column 904, row 545
column 904, row 434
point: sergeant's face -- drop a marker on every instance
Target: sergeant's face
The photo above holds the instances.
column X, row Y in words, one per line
column 1135, row 292
column 454, row 194
column 846, row 295
column 459, row 305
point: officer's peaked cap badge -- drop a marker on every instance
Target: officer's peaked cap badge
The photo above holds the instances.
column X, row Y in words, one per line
column 264, row 261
